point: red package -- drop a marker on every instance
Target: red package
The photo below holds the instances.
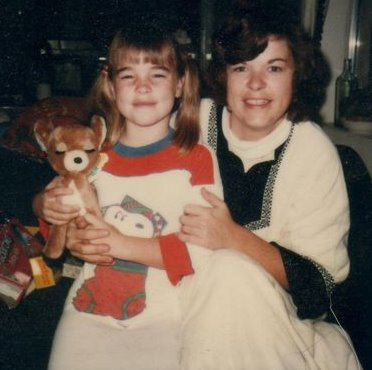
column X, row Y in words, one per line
column 17, row 245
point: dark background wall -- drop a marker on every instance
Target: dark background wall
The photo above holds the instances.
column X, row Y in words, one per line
column 81, row 31
column 27, row 25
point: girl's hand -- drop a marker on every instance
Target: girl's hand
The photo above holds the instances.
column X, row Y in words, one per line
column 210, row 227
column 48, row 206
column 94, row 240
column 82, row 241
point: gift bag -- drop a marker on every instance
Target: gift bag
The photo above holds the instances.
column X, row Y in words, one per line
column 17, row 246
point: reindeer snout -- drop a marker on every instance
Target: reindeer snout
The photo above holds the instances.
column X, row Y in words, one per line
column 76, row 160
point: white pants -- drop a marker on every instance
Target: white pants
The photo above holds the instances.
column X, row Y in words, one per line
column 237, row 317
column 232, row 316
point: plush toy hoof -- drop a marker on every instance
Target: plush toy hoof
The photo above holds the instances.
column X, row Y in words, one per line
column 56, row 264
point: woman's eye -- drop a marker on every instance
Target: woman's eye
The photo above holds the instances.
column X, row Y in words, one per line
column 239, row 69
column 275, row 69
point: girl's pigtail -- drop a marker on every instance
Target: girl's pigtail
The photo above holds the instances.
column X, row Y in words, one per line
column 187, row 119
column 102, row 102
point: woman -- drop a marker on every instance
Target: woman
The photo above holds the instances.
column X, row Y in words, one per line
column 286, row 207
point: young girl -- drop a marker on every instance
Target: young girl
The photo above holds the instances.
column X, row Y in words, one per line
column 126, row 315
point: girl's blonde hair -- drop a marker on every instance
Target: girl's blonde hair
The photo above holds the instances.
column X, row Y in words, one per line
column 158, row 48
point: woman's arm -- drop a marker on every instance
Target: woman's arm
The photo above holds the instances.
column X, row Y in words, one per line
column 303, row 278
column 314, row 257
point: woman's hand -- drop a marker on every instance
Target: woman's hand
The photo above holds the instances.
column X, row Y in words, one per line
column 48, row 205
column 211, row 227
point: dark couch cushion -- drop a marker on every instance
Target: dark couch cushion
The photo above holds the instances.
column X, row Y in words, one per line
column 22, row 176
column 352, row 299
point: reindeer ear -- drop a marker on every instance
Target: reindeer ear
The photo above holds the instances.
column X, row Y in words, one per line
column 42, row 131
column 98, row 125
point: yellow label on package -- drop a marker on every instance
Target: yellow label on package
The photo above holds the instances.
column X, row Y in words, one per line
column 32, row 229
column 43, row 275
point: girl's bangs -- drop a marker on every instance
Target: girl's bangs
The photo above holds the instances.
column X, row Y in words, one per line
column 162, row 55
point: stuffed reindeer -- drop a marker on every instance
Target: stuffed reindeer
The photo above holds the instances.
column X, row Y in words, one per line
column 73, row 151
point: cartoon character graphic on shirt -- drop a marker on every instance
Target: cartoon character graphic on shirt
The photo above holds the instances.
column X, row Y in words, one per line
column 119, row 290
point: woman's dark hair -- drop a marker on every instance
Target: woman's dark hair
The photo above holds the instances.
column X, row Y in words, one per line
column 245, row 34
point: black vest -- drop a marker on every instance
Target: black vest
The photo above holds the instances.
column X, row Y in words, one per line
column 247, row 194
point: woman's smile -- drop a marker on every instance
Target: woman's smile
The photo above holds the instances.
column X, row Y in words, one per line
column 256, row 102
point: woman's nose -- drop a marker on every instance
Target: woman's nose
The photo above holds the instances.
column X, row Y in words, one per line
column 255, row 81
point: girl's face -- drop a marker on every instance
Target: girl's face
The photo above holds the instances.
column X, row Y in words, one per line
column 259, row 91
column 145, row 93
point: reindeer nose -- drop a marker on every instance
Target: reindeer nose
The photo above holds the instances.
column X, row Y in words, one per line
column 78, row 160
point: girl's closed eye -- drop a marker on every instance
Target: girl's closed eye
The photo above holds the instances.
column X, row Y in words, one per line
column 125, row 76
column 159, row 75
column 124, row 73
column 160, row 72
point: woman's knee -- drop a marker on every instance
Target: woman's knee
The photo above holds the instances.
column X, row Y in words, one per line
column 230, row 263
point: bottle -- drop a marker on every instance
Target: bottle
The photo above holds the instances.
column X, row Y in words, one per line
column 346, row 85
column 43, row 71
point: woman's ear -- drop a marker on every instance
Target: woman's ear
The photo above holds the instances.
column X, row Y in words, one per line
column 179, row 87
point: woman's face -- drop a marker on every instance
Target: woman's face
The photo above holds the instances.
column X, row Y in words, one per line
column 259, row 91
